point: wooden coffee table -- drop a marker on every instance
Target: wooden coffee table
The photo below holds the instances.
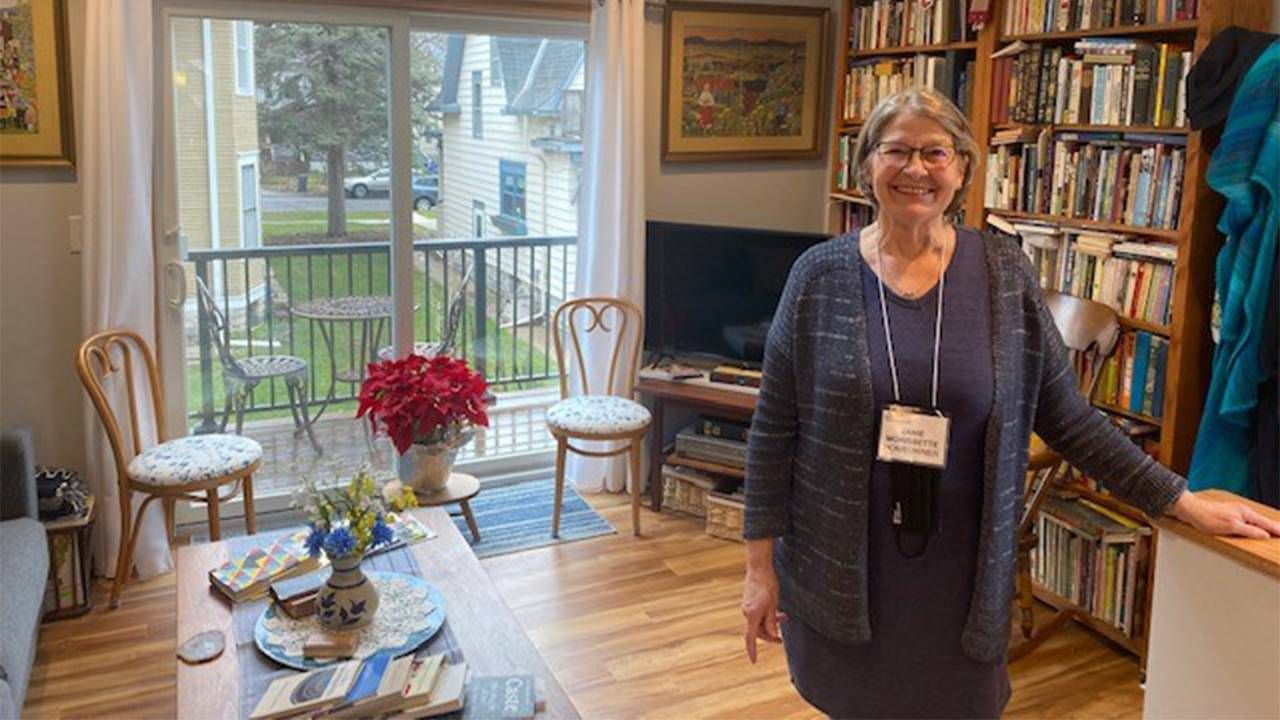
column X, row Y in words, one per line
column 491, row 639
column 460, row 489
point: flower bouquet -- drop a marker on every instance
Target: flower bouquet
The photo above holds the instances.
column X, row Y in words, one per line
column 429, row 407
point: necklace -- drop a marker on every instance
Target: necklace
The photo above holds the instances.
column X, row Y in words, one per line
column 910, row 294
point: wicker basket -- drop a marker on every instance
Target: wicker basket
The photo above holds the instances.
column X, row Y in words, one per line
column 685, row 490
column 724, row 518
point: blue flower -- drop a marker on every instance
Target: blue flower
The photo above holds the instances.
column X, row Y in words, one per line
column 340, row 543
column 382, row 535
column 315, row 541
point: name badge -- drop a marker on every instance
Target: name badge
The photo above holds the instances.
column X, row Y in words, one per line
column 914, row 435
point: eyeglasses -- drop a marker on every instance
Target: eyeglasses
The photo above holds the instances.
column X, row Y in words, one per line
column 934, row 157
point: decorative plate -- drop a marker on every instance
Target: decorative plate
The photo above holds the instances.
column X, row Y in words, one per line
column 410, row 611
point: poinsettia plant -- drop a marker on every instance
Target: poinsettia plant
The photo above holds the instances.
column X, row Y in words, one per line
column 423, row 400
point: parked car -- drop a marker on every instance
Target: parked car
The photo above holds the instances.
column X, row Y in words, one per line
column 426, row 189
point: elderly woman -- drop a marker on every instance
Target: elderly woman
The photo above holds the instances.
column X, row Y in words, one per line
column 906, row 368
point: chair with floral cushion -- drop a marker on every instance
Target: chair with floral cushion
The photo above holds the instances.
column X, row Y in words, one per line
column 608, row 414
column 191, row 468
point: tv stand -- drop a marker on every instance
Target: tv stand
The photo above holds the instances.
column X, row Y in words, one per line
column 728, row 402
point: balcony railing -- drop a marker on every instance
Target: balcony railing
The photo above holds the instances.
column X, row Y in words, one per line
column 513, row 286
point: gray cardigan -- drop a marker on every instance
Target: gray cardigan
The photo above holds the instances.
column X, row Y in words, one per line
column 811, row 444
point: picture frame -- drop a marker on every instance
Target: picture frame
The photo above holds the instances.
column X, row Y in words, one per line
column 36, row 114
column 744, row 82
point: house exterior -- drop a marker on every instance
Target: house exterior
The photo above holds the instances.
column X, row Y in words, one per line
column 215, row 119
column 512, row 153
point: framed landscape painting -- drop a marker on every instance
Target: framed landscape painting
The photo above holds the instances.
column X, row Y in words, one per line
column 743, row 82
column 35, row 84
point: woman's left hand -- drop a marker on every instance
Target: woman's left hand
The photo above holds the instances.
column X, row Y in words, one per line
column 1223, row 518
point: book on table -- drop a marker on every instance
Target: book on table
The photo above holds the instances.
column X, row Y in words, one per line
column 447, row 694
column 251, row 574
column 307, row 692
column 378, row 689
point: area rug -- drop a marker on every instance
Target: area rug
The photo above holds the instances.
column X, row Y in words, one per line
column 518, row 517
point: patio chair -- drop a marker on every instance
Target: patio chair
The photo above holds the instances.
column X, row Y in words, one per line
column 600, row 416
column 452, row 324
column 191, row 468
column 241, row 375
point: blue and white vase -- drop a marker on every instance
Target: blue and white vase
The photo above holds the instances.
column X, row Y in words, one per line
column 348, row 599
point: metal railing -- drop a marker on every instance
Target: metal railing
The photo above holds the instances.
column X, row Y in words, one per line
column 515, row 284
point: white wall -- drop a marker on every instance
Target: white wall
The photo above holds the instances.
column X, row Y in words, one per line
column 40, row 295
column 773, row 195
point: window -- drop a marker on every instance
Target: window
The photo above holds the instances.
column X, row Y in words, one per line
column 511, row 189
column 477, row 107
column 477, row 219
column 495, row 64
column 250, row 229
column 571, row 113
column 244, row 56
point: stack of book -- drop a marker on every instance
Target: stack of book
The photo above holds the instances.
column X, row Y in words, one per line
column 1130, row 178
column 895, row 23
column 1133, row 278
column 1133, row 377
column 251, row 574
column 1094, row 558
column 1022, row 17
column 1105, row 81
column 867, row 82
column 402, row 688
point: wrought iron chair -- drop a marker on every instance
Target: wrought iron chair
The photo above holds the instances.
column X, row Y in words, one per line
column 1090, row 331
column 190, row 468
column 602, row 416
column 449, row 336
column 241, row 375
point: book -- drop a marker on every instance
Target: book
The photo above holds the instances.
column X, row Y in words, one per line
column 251, row 574
column 447, row 694
column 423, row 674
column 306, row 692
column 378, row 688
column 298, row 586
column 327, row 644
column 501, row 697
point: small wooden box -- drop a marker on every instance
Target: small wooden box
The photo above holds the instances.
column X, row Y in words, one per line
column 724, row 518
column 685, row 490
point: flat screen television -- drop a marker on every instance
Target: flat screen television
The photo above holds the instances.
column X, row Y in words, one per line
column 710, row 292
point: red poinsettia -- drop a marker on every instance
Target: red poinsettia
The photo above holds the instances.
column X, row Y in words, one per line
column 426, row 400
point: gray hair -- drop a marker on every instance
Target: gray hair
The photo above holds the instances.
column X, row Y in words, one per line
column 925, row 103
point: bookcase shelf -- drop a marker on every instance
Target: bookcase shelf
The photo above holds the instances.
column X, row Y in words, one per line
column 1126, row 413
column 1102, row 627
column 1145, row 129
column 1181, row 27
column 1136, row 324
column 912, row 49
column 705, row 466
column 1172, row 235
column 846, row 196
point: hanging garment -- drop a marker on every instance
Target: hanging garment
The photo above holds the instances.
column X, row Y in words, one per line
column 1245, row 169
column 1212, row 82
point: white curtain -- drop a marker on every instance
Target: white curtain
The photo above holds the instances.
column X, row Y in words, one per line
column 611, row 211
column 118, row 279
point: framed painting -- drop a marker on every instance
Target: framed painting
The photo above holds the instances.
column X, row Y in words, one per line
column 743, row 82
column 35, row 84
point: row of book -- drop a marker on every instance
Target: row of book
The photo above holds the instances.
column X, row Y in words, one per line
column 1133, row 377
column 1130, row 178
column 1102, row 81
column 402, row 688
column 855, row 215
column 1023, row 17
column 869, row 81
column 1134, row 278
column 895, row 23
column 1094, row 558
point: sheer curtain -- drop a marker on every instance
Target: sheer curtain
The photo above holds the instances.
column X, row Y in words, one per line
column 117, row 270
column 611, row 212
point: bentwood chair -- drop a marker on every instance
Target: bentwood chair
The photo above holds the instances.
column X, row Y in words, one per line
column 1090, row 330
column 240, row 376
column 452, row 324
column 190, row 468
column 609, row 413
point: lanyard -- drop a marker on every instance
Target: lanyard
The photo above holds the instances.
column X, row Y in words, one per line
column 888, row 337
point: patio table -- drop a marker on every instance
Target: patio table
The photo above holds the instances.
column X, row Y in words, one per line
column 371, row 312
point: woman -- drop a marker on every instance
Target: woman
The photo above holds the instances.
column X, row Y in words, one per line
column 906, row 368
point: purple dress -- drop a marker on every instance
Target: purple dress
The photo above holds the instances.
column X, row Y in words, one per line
column 913, row 665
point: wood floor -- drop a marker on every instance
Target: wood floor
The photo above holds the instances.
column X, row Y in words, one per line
column 633, row 628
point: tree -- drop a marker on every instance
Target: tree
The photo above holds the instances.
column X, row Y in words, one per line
column 323, row 89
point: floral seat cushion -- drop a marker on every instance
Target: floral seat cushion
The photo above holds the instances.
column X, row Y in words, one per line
column 194, row 459
column 265, row 366
column 597, row 415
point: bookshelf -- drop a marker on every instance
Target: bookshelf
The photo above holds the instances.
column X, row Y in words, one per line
column 1190, row 350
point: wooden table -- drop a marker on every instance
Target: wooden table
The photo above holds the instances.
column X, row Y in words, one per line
column 719, row 402
column 460, row 489
column 491, row 639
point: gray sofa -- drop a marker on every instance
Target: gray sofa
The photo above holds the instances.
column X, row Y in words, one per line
column 24, row 568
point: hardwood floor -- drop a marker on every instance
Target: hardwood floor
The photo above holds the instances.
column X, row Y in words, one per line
column 633, row 628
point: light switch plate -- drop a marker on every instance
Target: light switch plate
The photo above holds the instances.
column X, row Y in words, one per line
column 75, row 230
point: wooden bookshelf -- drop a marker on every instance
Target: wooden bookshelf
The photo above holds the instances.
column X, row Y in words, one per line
column 913, row 49
column 1098, row 625
column 705, row 466
column 1189, row 360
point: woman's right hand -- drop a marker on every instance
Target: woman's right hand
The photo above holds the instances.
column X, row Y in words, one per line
column 760, row 608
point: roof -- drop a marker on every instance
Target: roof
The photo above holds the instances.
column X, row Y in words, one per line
column 535, row 73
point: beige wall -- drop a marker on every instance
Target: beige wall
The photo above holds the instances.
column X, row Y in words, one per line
column 773, row 195
column 40, row 295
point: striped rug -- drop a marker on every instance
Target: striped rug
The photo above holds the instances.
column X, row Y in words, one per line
column 518, row 517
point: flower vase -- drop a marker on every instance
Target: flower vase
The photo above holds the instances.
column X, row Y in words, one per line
column 426, row 467
column 348, row 599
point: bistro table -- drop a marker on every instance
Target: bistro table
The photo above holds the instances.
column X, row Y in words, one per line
column 370, row 312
